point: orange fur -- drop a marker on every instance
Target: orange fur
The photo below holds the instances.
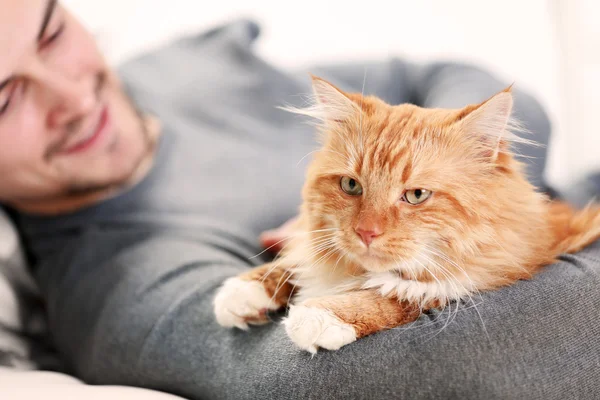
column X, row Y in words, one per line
column 366, row 311
column 275, row 279
column 484, row 215
column 484, row 226
column 573, row 230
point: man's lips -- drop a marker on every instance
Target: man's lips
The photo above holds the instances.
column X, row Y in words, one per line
column 89, row 135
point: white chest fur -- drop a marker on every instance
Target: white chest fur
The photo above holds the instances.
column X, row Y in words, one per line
column 313, row 284
column 389, row 283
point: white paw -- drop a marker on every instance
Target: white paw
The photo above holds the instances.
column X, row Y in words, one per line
column 239, row 302
column 311, row 328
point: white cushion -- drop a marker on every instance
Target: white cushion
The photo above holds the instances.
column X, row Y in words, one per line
column 34, row 385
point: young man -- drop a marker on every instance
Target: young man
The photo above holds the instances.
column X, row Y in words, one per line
column 132, row 222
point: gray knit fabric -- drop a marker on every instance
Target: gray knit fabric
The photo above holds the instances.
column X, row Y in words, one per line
column 129, row 283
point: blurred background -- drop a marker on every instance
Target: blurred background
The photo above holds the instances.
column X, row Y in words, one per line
column 549, row 47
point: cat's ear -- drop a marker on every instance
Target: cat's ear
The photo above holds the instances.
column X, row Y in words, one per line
column 489, row 124
column 332, row 104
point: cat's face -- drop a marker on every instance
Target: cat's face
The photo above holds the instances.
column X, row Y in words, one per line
column 394, row 187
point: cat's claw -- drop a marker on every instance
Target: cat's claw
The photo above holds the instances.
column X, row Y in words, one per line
column 311, row 327
column 239, row 303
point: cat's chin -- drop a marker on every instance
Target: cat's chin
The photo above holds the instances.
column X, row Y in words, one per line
column 372, row 261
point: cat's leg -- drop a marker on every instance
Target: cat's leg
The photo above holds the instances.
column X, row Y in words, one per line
column 331, row 322
column 246, row 298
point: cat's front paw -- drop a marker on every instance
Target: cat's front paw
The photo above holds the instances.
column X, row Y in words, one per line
column 313, row 327
column 240, row 302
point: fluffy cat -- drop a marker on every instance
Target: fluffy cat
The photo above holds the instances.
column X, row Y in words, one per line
column 404, row 209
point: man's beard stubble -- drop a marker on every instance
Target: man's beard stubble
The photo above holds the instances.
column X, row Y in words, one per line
column 80, row 189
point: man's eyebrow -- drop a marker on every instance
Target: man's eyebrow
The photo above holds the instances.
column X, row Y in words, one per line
column 4, row 83
column 50, row 6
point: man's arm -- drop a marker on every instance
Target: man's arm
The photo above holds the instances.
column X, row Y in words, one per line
column 142, row 316
column 136, row 309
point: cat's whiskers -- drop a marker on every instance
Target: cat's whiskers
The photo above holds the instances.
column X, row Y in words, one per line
column 450, row 278
column 406, row 267
column 330, row 251
column 279, row 261
column 446, row 300
column 473, row 288
column 410, row 268
column 430, row 273
column 318, row 246
column 446, row 272
column 318, row 151
column 293, row 235
column 453, row 281
column 321, row 242
column 349, row 146
column 340, row 250
column 362, row 94
column 329, row 246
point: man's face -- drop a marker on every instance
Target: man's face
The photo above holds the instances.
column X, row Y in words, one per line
column 66, row 126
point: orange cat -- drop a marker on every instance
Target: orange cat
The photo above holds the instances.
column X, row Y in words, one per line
column 404, row 209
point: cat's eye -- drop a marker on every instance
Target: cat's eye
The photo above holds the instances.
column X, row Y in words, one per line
column 351, row 186
column 416, row 196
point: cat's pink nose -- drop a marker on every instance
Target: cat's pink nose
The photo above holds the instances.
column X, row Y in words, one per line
column 367, row 235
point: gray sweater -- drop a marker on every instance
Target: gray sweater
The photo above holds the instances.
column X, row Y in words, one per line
column 129, row 282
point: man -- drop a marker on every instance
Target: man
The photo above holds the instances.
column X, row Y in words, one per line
column 131, row 225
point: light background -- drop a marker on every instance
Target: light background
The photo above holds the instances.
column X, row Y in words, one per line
column 550, row 47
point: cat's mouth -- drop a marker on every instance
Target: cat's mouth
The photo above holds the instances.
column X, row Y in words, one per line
column 372, row 255
column 371, row 259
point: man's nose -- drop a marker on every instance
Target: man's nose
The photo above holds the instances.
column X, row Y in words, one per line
column 70, row 99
